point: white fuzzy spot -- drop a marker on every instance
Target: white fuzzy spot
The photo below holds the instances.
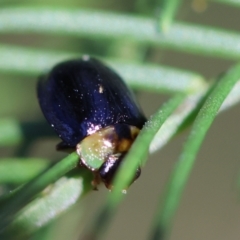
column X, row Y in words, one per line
column 85, row 57
column 100, row 89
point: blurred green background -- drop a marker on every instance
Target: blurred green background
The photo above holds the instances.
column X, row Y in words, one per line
column 210, row 205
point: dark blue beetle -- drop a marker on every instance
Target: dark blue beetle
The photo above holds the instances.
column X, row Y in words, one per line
column 93, row 111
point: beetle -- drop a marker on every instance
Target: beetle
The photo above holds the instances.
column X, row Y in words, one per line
column 93, row 112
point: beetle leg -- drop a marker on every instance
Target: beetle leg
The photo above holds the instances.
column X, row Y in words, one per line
column 96, row 180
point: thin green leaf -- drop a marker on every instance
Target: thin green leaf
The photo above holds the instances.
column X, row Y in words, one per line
column 28, row 191
column 232, row 99
column 22, row 170
column 139, row 76
column 154, row 78
column 135, row 157
column 140, row 148
column 184, row 37
column 188, row 109
column 41, row 211
column 174, row 123
column 168, row 9
column 232, row 2
column 184, row 165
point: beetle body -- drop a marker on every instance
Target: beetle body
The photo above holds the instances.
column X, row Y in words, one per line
column 93, row 111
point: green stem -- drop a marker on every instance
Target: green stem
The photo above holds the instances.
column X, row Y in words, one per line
column 160, row 78
column 135, row 157
column 103, row 25
column 168, row 9
column 19, row 199
column 185, row 163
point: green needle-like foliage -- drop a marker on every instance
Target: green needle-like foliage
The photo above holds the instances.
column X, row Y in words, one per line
column 102, row 25
column 20, row 198
column 138, row 151
column 184, row 165
column 167, row 11
column 32, row 193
